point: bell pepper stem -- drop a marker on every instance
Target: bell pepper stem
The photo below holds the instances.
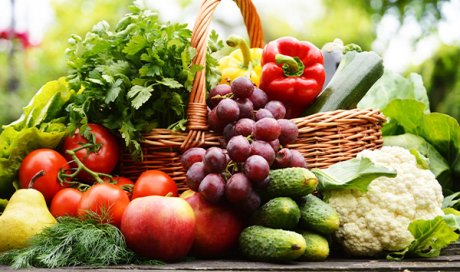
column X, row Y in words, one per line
column 238, row 41
column 292, row 66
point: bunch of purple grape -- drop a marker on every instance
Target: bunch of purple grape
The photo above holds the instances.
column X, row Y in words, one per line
column 255, row 134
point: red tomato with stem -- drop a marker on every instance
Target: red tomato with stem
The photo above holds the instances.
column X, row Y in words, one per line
column 65, row 202
column 154, row 182
column 105, row 199
column 102, row 161
column 124, row 183
column 40, row 168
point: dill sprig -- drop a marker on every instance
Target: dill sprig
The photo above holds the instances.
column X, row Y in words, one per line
column 74, row 242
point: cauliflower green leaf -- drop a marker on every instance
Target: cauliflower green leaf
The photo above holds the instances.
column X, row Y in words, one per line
column 430, row 237
column 355, row 173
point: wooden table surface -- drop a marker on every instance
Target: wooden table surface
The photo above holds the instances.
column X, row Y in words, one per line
column 448, row 261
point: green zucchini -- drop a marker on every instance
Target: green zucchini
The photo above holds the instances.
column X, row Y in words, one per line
column 357, row 72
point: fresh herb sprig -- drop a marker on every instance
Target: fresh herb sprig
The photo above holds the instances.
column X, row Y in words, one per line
column 135, row 77
column 74, row 242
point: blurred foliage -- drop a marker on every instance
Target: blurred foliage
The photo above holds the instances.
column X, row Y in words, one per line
column 38, row 65
column 341, row 19
column 441, row 76
column 354, row 21
column 426, row 12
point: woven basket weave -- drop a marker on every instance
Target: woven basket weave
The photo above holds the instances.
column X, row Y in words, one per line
column 324, row 138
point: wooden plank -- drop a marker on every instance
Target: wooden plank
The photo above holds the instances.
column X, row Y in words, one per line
column 442, row 263
column 448, row 261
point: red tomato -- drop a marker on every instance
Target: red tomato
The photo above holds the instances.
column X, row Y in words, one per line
column 154, row 182
column 65, row 202
column 104, row 160
column 124, row 183
column 103, row 199
column 42, row 166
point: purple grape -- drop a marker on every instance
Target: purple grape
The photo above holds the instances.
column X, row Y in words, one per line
column 192, row 155
column 263, row 149
column 242, row 87
column 263, row 113
column 244, row 127
column 275, row 144
column 250, row 204
column 218, row 93
column 297, row 159
column 229, row 132
column 246, row 108
column 259, row 98
column 267, row 129
column 212, row 187
column 214, row 160
column 238, row 148
column 283, row 158
column 276, row 108
column 227, row 111
column 238, row 188
column 256, row 168
column 195, row 174
column 289, row 132
column 227, row 157
column 214, row 123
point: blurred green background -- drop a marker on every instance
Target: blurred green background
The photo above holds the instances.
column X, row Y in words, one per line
column 420, row 36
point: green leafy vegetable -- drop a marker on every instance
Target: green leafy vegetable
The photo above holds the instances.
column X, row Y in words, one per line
column 453, row 221
column 47, row 104
column 430, row 236
column 440, row 130
column 74, row 242
column 393, row 86
column 40, row 126
column 136, row 76
column 452, row 201
column 355, row 173
column 405, row 103
column 421, row 161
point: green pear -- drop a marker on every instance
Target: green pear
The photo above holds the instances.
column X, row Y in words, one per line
column 25, row 215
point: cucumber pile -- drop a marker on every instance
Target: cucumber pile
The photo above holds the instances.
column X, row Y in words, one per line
column 292, row 224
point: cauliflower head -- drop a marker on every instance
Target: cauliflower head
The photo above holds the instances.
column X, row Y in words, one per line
column 376, row 221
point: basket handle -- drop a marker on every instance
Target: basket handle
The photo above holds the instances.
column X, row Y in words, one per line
column 197, row 114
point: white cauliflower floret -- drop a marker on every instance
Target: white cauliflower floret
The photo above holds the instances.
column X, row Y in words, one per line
column 377, row 221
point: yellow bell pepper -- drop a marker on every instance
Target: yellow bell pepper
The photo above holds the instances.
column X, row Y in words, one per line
column 244, row 61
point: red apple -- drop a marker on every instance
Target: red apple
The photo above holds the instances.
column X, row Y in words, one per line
column 217, row 227
column 159, row 227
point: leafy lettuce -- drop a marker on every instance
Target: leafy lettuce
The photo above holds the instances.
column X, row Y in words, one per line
column 41, row 125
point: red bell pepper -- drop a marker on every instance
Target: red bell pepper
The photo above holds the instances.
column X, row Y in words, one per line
column 293, row 73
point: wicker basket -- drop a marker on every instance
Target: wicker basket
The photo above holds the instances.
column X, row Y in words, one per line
column 324, row 138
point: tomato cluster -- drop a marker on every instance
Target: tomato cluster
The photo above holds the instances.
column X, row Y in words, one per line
column 79, row 179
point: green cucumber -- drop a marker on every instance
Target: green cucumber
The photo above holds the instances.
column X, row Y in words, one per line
column 317, row 248
column 271, row 245
column 277, row 213
column 357, row 72
column 317, row 215
column 290, row 182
